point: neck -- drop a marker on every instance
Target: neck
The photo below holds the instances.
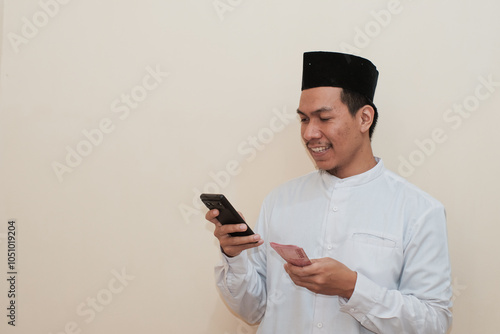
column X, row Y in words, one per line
column 364, row 163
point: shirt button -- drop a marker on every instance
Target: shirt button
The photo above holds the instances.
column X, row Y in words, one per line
column 319, row 325
column 335, row 209
column 329, row 247
column 353, row 310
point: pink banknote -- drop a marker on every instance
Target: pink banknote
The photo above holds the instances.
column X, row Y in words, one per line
column 292, row 254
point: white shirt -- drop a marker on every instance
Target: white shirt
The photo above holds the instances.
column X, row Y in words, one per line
column 377, row 224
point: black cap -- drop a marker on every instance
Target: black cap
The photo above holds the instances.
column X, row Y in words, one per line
column 333, row 69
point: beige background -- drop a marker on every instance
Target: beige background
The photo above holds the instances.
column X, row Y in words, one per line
column 233, row 67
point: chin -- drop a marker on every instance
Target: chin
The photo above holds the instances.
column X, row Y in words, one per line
column 326, row 167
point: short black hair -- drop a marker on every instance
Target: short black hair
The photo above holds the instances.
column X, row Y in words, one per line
column 355, row 101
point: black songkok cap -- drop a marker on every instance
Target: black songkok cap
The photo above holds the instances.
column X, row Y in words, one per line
column 333, row 69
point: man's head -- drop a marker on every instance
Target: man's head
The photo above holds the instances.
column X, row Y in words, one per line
column 337, row 113
column 357, row 76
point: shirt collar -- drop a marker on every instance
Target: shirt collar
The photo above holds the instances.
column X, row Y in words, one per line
column 355, row 180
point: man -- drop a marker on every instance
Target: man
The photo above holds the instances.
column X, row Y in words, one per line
column 379, row 244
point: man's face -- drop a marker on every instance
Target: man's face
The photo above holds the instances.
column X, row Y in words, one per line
column 332, row 136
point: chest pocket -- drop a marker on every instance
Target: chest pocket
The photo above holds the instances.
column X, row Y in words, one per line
column 378, row 257
column 372, row 239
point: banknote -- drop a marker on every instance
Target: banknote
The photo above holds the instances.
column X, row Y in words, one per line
column 292, row 254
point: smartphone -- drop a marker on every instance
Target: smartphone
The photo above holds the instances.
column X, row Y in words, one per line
column 227, row 214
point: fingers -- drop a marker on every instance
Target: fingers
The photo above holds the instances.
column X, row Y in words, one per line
column 300, row 272
column 211, row 216
column 236, row 249
column 230, row 245
column 233, row 246
column 228, row 240
column 221, row 230
column 325, row 276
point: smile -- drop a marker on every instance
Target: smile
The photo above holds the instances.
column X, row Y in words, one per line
column 319, row 149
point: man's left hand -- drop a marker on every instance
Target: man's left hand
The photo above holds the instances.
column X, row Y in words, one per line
column 325, row 276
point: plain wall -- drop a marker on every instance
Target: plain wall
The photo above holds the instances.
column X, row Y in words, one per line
column 116, row 240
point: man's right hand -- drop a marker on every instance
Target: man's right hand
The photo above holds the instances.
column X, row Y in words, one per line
column 232, row 246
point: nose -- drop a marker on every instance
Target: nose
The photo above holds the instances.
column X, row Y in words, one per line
column 310, row 131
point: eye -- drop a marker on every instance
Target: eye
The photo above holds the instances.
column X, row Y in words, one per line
column 303, row 119
column 322, row 119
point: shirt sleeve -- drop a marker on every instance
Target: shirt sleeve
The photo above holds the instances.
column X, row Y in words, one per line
column 422, row 302
column 241, row 280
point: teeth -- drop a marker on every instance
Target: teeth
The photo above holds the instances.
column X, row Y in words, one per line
column 319, row 149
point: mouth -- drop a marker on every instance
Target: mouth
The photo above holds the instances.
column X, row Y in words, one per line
column 319, row 149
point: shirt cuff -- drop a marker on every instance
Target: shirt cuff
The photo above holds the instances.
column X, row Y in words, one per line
column 238, row 263
column 365, row 296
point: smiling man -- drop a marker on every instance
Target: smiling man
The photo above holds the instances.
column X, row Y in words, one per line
column 336, row 139
column 378, row 244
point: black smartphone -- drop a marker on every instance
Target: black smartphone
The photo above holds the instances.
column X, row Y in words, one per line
column 227, row 214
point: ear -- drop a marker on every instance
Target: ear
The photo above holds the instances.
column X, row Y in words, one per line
column 366, row 114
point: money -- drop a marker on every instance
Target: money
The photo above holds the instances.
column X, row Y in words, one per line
column 292, row 254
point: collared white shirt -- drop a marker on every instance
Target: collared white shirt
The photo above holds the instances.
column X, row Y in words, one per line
column 377, row 224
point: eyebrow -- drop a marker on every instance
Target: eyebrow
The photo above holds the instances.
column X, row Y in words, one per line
column 317, row 111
